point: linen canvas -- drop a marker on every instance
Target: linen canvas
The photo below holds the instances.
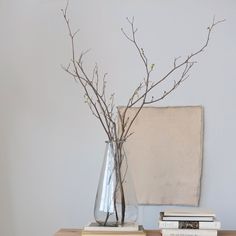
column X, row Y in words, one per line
column 165, row 154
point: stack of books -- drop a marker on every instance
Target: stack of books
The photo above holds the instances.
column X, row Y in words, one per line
column 95, row 229
column 190, row 222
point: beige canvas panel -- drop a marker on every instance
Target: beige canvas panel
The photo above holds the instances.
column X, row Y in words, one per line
column 165, row 154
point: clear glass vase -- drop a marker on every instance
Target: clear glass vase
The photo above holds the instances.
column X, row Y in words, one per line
column 115, row 203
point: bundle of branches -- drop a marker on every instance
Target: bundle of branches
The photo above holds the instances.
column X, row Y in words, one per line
column 102, row 106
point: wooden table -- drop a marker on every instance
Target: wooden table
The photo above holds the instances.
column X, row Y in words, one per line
column 77, row 232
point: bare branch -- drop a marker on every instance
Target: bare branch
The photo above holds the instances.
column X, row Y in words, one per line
column 80, row 75
column 186, row 65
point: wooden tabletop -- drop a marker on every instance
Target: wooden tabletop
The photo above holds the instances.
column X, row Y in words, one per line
column 77, row 232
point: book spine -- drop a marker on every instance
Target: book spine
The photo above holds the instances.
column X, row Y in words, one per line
column 187, row 218
column 189, row 225
column 189, row 232
column 193, row 212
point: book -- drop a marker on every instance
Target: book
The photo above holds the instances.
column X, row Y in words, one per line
column 189, row 232
column 113, row 231
column 185, row 218
column 189, row 212
column 189, row 224
column 126, row 227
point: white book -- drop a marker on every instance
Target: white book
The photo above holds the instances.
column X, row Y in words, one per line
column 128, row 227
column 189, row 212
column 189, row 224
column 185, row 218
column 189, row 232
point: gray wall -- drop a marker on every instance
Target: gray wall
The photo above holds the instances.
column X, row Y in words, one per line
column 51, row 147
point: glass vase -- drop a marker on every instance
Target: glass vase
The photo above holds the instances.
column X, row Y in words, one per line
column 115, row 203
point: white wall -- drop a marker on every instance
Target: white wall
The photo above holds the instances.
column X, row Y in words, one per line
column 51, row 147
